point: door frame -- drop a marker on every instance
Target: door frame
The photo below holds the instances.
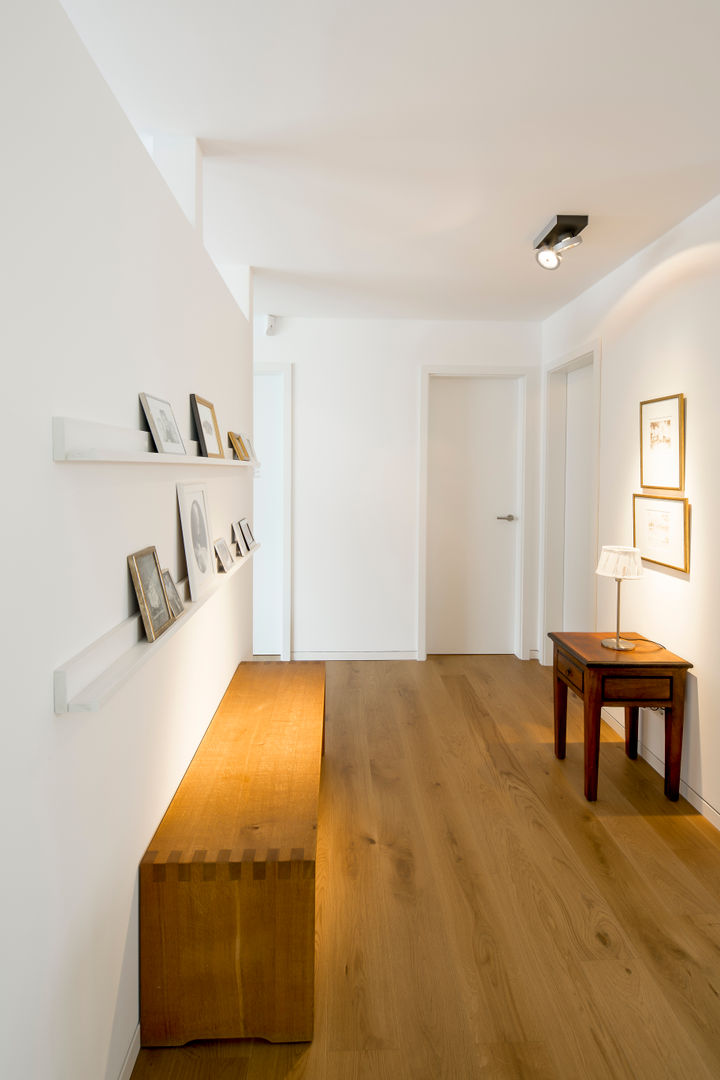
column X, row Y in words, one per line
column 285, row 372
column 554, row 471
column 523, row 376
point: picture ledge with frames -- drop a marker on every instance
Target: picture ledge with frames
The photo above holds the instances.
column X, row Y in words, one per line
column 76, row 441
column 88, row 680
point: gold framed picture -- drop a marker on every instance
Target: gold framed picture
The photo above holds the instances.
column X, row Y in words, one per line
column 207, row 427
column 152, row 598
column 661, row 530
column 236, row 441
column 662, row 443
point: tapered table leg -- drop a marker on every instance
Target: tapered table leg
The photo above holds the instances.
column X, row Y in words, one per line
column 674, row 723
column 632, row 713
column 560, row 705
column 592, row 703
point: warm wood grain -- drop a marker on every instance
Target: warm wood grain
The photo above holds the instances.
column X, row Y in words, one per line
column 227, row 886
column 476, row 917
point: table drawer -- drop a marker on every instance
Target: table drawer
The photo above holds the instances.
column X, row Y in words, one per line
column 571, row 671
column 637, row 688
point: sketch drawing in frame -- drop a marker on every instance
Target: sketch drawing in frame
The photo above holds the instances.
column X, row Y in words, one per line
column 195, row 523
column 176, row 605
column 236, row 441
column 239, row 539
column 224, row 554
column 248, row 537
column 163, row 426
column 152, row 599
column 662, row 443
column 207, row 427
column 661, row 530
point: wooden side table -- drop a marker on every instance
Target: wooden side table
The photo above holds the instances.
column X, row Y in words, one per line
column 649, row 675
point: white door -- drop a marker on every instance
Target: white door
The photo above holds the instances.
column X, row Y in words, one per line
column 579, row 546
column 473, row 454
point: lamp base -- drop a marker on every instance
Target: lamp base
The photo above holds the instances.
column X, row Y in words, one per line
column 622, row 644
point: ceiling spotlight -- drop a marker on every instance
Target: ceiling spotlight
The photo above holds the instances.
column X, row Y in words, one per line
column 548, row 258
column 558, row 236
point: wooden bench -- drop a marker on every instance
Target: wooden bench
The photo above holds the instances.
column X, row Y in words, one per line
column 227, row 885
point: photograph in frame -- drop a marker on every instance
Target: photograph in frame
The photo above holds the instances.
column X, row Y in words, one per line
column 163, row 426
column 661, row 530
column 176, row 605
column 224, row 554
column 247, row 533
column 239, row 539
column 207, row 428
column 195, row 524
column 662, row 443
column 152, row 599
column 236, row 442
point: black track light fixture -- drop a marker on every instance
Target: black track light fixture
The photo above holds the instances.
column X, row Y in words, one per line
column 558, row 236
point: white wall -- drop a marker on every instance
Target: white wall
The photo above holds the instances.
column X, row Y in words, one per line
column 580, row 510
column 356, row 468
column 106, row 292
column 659, row 321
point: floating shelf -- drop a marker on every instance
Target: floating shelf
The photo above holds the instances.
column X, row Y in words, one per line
column 84, row 440
column 88, row 680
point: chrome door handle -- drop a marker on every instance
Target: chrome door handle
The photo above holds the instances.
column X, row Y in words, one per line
column 506, row 517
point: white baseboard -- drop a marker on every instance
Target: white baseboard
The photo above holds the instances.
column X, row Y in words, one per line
column 131, row 1056
column 354, row 656
column 693, row 797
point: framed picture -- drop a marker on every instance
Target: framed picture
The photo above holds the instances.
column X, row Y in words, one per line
column 236, row 441
column 239, row 539
column 247, row 533
column 162, row 424
column 199, row 555
column 661, row 530
column 224, row 554
column 662, row 443
column 207, row 427
column 176, row 605
column 250, row 449
column 150, row 591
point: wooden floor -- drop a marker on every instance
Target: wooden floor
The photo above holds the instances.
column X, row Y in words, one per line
column 476, row 916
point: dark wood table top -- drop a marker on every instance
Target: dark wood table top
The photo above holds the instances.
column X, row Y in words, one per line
column 587, row 649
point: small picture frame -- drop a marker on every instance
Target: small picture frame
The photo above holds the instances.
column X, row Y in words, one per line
column 236, row 442
column 163, row 426
column 195, row 523
column 240, row 541
column 152, row 598
column 207, row 428
column 246, row 531
column 661, row 530
column 224, row 554
column 662, row 443
column 250, row 449
column 176, row 605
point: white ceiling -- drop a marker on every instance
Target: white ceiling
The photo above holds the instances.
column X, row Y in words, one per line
column 398, row 157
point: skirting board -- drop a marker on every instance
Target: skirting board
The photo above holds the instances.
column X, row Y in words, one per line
column 705, row 808
column 131, row 1056
column 354, row 656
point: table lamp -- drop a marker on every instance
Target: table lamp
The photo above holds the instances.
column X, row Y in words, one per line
column 620, row 563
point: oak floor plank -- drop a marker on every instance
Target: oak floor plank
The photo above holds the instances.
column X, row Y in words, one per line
column 476, row 917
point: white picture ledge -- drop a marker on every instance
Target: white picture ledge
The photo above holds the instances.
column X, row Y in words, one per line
column 85, row 440
column 88, row 680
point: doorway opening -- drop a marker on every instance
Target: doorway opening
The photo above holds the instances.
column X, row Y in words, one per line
column 571, row 495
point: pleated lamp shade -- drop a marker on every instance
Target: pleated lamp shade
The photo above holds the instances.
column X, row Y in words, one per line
column 620, row 562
